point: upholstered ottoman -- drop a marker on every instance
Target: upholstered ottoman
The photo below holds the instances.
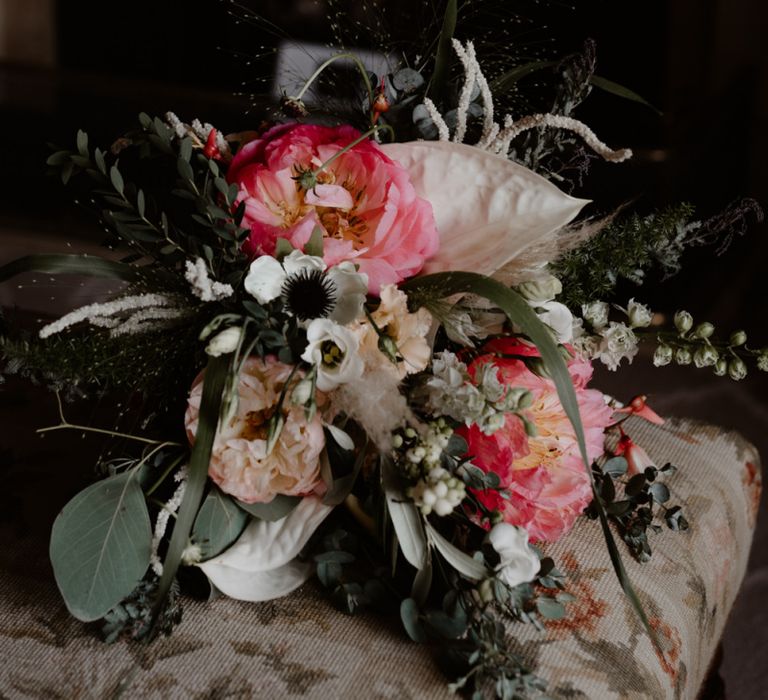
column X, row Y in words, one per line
column 301, row 647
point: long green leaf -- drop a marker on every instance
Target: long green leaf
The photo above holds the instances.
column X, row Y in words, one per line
column 462, row 562
column 100, row 545
column 444, row 51
column 620, row 91
column 443, row 284
column 506, row 80
column 197, row 472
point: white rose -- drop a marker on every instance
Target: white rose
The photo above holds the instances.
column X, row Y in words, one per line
column 559, row 318
column 595, row 314
column 639, row 315
column 351, row 288
column 518, row 562
column 224, row 342
column 334, row 351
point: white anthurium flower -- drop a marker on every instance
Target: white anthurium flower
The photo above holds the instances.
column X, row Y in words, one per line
column 261, row 564
column 518, row 562
column 558, row 317
column 487, row 209
column 333, row 350
column 351, row 289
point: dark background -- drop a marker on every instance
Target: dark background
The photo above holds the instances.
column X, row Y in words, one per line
column 95, row 65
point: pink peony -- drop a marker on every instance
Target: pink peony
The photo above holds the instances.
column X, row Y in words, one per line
column 544, row 475
column 364, row 203
column 239, row 463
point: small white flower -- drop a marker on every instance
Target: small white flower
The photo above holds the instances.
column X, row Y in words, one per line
column 519, row 563
column 299, row 262
column 662, row 356
column 705, row 356
column 595, row 314
column 619, row 343
column 334, row 351
column 544, row 289
column 351, row 288
column 639, row 315
column 559, row 318
column 224, row 342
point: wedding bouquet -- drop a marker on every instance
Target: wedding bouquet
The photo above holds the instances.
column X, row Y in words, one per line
column 365, row 348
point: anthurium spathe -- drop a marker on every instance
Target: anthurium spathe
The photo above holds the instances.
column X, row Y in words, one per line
column 488, row 209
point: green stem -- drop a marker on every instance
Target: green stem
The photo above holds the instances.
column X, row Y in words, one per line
column 331, row 60
column 373, row 130
column 163, row 476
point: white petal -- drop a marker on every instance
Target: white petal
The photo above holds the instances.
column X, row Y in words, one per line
column 260, row 565
column 341, row 437
column 265, row 278
column 559, row 318
column 351, row 289
column 487, row 208
column 298, row 262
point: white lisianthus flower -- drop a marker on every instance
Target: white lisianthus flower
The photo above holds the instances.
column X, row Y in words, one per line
column 618, row 343
column 224, row 342
column 334, row 351
column 518, row 562
column 351, row 288
column 595, row 314
column 558, row 317
column 640, row 316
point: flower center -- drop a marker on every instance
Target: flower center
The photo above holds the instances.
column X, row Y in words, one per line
column 332, row 354
column 309, row 294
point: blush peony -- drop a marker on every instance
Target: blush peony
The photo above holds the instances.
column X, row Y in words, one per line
column 239, row 462
column 544, row 475
column 364, row 202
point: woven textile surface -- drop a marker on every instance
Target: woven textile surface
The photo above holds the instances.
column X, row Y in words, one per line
column 301, row 647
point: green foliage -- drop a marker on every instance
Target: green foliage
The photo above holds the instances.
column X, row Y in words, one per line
column 630, row 503
column 133, row 616
column 218, row 524
column 630, row 247
column 276, row 509
column 101, row 544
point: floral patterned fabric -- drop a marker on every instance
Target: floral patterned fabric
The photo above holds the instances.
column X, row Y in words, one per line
column 300, row 646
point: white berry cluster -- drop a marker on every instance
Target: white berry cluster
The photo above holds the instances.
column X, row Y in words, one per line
column 435, row 488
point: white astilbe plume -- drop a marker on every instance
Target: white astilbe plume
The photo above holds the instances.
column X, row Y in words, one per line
column 146, row 320
column 558, row 121
column 443, row 133
column 203, row 287
column 98, row 314
column 376, row 403
column 498, row 140
column 161, row 524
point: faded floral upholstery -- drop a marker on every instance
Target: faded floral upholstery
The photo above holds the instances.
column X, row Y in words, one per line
column 301, row 647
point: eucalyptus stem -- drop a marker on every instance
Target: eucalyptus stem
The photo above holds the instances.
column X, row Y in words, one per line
column 65, row 425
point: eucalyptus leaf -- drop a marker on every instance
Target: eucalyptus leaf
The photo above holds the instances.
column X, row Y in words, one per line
column 550, row 608
column 467, row 566
column 117, row 179
column 616, row 466
column 101, row 545
column 314, row 245
column 407, row 80
column 218, row 524
column 276, row 509
column 409, row 614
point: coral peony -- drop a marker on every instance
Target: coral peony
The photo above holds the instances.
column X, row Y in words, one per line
column 239, row 462
column 364, row 203
column 544, row 475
